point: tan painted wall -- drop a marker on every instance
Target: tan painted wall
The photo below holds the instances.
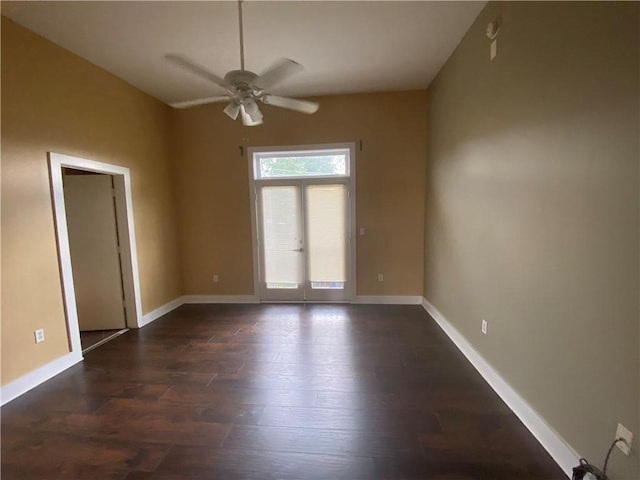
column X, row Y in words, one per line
column 213, row 193
column 532, row 211
column 54, row 101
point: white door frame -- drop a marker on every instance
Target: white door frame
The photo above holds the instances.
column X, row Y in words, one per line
column 126, row 235
column 351, row 184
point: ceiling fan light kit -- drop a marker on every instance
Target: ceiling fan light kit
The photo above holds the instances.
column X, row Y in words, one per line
column 244, row 88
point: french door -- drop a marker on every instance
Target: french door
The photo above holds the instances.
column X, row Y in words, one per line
column 304, row 239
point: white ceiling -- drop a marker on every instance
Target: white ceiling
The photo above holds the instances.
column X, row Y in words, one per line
column 345, row 47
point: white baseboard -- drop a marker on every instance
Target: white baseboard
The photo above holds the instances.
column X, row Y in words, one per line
column 40, row 375
column 220, row 299
column 360, row 299
column 172, row 305
column 147, row 318
column 565, row 456
column 387, row 299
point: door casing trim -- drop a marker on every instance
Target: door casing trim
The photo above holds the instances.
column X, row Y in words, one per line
column 126, row 235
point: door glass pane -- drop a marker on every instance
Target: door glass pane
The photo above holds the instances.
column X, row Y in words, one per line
column 282, row 236
column 326, row 230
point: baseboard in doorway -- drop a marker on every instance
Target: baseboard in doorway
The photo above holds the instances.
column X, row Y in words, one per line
column 104, row 340
column 565, row 456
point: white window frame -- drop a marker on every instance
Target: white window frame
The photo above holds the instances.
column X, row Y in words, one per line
column 254, row 153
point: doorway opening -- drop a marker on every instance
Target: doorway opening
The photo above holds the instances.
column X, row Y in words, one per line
column 303, row 220
column 91, row 210
column 96, row 249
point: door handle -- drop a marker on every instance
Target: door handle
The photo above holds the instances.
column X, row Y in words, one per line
column 298, row 250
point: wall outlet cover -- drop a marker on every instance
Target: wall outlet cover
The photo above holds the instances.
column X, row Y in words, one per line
column 484, row 326
column 624, row 433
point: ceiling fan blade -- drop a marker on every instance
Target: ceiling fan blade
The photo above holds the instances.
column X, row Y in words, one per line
column 232, row 110
column 278, row 73
column 303, row 106
column 247, row 120
column 196, row 69
column 201, row 101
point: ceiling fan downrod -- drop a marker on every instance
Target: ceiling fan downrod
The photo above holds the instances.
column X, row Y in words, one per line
column 241, row 31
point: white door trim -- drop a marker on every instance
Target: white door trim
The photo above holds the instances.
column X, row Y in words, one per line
column 126, row 231
column 351, row 183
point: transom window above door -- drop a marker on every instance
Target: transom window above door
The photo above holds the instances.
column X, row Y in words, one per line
column 301, row 164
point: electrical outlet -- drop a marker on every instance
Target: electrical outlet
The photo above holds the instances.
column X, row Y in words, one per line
column 380, row 277
column 216, row 279
column 484, row 326
column 362, row 231
column 38, row 335
column 627, row 436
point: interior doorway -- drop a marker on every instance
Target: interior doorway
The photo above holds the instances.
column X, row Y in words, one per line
column 93, row 213
column 94, row 245
column 303, row 221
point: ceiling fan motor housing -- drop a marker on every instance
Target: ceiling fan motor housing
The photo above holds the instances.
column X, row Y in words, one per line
column 241, row 79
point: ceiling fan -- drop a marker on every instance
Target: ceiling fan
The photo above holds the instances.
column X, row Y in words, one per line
column 244, row 88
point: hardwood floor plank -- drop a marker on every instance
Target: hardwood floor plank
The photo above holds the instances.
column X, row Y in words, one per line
column 416, row 468
column 335, row 369
column 371, row 420
column 259, row 465
column 349, row 400
column 322, row 442
column 57, row 451
column 313, row 418
column 63, row 471
column 272, row 397
column 141, row 431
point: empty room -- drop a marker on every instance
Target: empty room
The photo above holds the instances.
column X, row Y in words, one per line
column 320, row 240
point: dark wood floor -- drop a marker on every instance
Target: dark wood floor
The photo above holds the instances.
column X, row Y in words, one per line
column 272, row 392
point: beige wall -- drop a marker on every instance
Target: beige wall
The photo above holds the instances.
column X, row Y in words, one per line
column 532, row 211
column 213, row 187
column 54, row 101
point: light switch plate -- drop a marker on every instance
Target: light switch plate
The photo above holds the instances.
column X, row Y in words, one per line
column 38, row 335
